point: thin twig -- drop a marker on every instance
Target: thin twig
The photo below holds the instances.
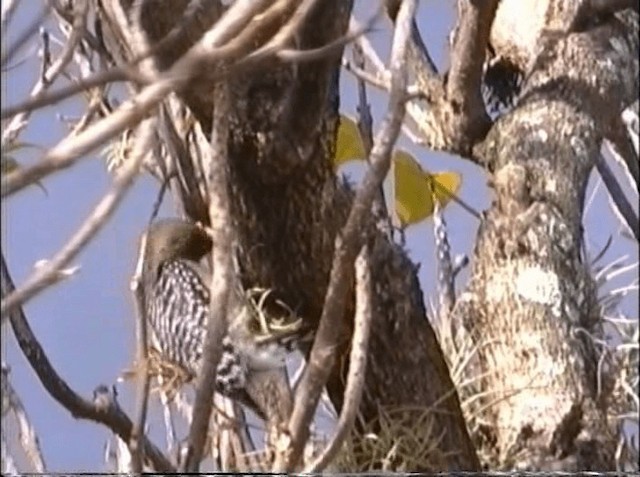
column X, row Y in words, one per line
column 347, row 246
column 210, row 48
column 330, row 48
column 622, row 205
column 45, row 53
column 377, row 82
column 357, row 362
column 50, row 73
column 167, row 413
column 113, row 75
column 8, row 462
column 142, row 361
column 27, row 33
column 48, row 274
column 419, row 57
column 413, row 110
column 222, row 281
column 8, row 9
column 365, row 127
column 28, row 436
column 467, row 58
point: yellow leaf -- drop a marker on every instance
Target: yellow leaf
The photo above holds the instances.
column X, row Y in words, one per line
column 349, row 145
column 415, row 189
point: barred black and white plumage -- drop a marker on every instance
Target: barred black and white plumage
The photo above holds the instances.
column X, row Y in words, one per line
column 178, row 308
column 176, row 299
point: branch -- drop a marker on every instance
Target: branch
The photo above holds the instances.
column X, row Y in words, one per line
column 454, row 118
column 210, row 48
column 467, row 59
column 122, row 73
column 142, row 359
column 419, row 58
column 102, row 410
column 8, row 9
column 180, row 160
column 347, row 246
column 357, row 362
column 329, row 49
column 28, row 435
column 46, row 275
column 223, row 279
column 8, row 462
column 112, row 75
column 27, row 33
column 617, row 195
column 51, row 72
column 365, row 126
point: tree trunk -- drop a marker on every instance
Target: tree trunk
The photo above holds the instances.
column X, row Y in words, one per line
column 289, row 207
column 532, row 304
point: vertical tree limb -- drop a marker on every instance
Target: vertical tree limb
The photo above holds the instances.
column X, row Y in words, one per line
column 347, row 245
column 357, row 363
column 223, row 280
column 142, row 362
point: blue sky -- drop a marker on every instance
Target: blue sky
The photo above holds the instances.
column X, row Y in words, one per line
column 86, row 323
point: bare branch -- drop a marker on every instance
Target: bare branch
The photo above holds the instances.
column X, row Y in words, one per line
column 209, row 49
column 123, row 73
column 285, row 54
column 102, row 78
column 223, row 280
column 357, row 363
column 420, row 61
column 28, row 435
column 46, row 275
column 467, row 58
column 27, row 33
column 186, row 186
column 142, row 357
column 617, row 195
column 348, row 245
column 105, row 411
column 50, row 73
column 8, row 462
column 454, row 118
column 365, row 127
column 8, row 9
column 380, row 83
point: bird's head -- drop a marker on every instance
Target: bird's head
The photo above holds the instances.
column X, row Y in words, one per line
column 175, row 238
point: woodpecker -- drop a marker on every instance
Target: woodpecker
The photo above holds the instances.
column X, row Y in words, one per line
column 176, row 304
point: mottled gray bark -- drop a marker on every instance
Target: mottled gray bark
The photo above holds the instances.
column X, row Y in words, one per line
column 531, row 303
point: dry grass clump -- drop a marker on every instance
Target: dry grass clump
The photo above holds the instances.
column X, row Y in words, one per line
column 401, row 439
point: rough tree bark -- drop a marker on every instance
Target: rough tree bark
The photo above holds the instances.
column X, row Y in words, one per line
column 289, row 206
column 531, row 303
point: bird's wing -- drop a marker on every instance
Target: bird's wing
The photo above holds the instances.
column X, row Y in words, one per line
column 179, row 319
column 178, row 312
